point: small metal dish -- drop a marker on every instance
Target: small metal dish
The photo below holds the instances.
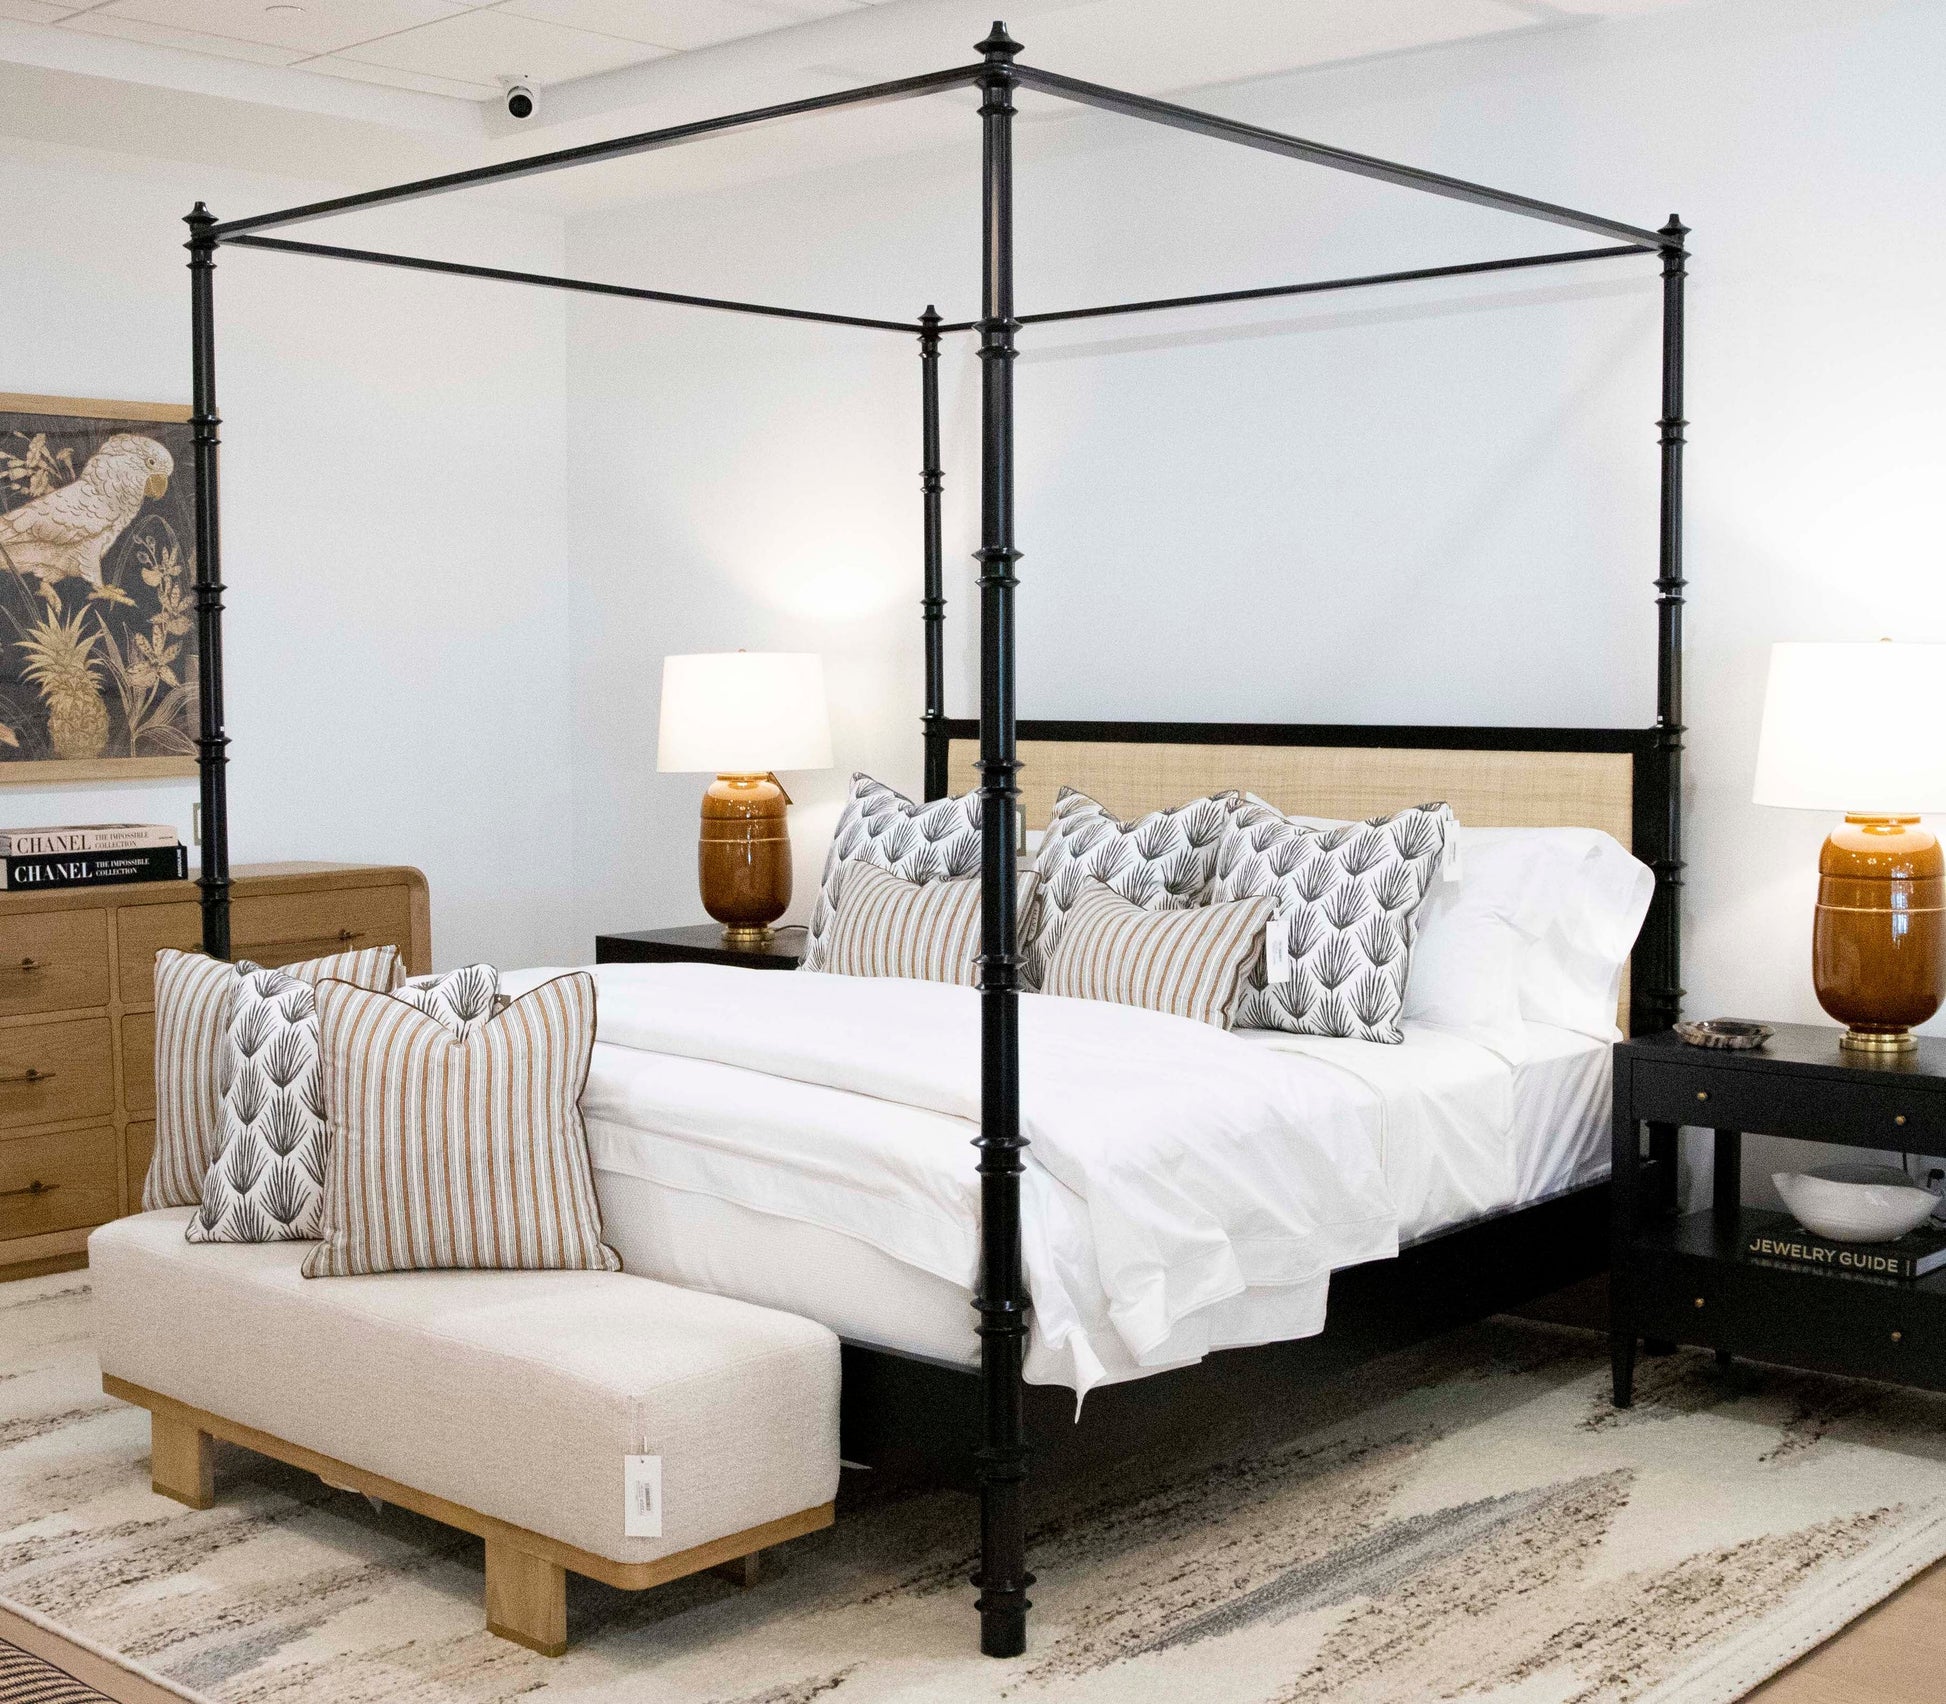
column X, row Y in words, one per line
column 1736, row 1034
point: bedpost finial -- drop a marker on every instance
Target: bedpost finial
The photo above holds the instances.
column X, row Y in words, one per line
column 999, row 47
column 199, row 215
column 1675, row 230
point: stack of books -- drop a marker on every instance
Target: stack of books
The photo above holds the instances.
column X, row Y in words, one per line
column 96, row 854
column 1776, row 1239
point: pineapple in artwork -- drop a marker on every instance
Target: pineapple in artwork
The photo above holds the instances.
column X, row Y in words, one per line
column 62, row 666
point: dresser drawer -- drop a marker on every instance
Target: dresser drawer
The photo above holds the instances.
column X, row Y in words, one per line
column 138, row 1062
column 53, row 961
column 50, row 1072
column 269, row 929
column 57, row 1183
column 1876, row 1113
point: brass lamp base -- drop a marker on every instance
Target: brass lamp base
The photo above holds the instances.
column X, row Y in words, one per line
column 747, row 938
column 1879, row 1041
column 1878, row 949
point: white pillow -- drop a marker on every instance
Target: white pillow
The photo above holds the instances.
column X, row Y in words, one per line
column 1573, row 900
column 1465, row 974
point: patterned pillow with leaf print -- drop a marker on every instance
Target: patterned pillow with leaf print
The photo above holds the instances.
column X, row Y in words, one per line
column 1339, row 943
column 266, row 1183
column 1164, row 862
column 460, row 999
column 881, row 827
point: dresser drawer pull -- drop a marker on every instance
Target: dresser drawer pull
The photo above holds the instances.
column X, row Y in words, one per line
column 1898, row 1118
column 1702, row 1094
column 34, row 1188
column 1699, row 1301
column 26, row 967
column 1898, row 1337
column 26, row 1074
column 342, row 938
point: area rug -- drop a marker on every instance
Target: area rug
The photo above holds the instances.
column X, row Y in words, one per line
column 1472, row 1520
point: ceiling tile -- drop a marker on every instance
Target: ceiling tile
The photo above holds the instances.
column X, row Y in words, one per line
column 313, row 26
column 35, row 11
column 485, row 46
column 677, row 23
column 336, row 65
column 161, row 35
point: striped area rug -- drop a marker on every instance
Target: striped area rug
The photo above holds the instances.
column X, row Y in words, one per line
column 1470, row 1521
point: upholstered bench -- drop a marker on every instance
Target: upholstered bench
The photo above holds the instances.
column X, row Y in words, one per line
column 503, row 1403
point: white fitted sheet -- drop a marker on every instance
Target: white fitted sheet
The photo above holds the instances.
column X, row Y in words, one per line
column 1463, row 1135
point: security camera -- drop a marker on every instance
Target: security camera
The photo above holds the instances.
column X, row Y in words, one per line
column 519, row 95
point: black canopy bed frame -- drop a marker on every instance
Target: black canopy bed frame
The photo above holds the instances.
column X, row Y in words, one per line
column 903, row 1403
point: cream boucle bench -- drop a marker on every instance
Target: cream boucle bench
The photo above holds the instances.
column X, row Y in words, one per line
column 503, row 1403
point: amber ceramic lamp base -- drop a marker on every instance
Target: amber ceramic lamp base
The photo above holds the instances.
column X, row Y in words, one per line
column 744, row 856
column 1878, row 951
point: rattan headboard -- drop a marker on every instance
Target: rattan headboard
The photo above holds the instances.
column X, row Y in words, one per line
column 1492, row 777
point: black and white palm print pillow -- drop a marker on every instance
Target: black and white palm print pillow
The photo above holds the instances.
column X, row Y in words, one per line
column 266, row 1183
column 1339, row 944
column 881, row 827
column 1164, row 862
column 460, row 999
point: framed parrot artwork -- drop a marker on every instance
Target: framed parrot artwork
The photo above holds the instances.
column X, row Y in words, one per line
column 97, row 590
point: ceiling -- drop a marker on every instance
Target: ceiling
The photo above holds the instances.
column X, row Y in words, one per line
column 371, row 91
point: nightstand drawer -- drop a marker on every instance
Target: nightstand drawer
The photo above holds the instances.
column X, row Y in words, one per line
column 1876, row 1113
column 50, row 1072
column 1895, row 1332
column 53, row 961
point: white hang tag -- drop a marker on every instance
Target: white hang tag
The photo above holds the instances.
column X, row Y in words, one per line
column 642, row 1496
column 1277, row 950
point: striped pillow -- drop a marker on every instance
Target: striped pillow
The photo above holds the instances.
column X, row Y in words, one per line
column 192, row 1021
column 930, row 931
column 457, row 1153
column 1196, row 964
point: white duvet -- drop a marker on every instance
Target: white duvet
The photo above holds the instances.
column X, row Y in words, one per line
column 1174, row 1173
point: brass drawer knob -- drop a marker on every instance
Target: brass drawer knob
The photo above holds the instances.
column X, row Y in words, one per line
column 1898, row 1337
column 1702, row 1094
column 1699, row 1301
column 1898, row 1118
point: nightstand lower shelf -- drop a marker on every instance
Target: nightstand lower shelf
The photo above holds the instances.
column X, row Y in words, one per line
column 1689, row 1282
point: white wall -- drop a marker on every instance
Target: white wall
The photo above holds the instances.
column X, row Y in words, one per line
column 396, row 645
column 1434, row 502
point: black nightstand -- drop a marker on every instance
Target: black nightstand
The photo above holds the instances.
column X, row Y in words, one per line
column 699, row 943
column 1683, row 1278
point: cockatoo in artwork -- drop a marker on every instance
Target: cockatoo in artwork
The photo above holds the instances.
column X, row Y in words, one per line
column 68, row 531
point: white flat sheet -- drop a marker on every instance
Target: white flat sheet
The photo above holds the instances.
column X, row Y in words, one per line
column 1183, row 1190
column 689, row 1236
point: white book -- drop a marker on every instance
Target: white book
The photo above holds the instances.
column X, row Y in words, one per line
column 84, row 837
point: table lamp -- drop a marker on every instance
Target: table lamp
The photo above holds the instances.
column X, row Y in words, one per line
column 1861, row 728
column 742, row 716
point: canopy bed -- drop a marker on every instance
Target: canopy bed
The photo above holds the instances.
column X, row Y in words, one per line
column 1624, row 780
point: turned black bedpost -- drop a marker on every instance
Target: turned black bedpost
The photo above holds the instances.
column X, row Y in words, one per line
column 1003, row 1578
column 1660, row 1002
column 211, row 742
column 932, row 482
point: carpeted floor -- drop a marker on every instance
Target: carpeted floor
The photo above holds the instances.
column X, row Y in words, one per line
column 1468, row 1521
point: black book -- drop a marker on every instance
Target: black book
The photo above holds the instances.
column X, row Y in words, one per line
column 96, row 869
column 1780, row 1238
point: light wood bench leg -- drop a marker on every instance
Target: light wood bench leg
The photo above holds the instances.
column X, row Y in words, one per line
column 181, row 1462
column 526, row 1599
column 743, row 1571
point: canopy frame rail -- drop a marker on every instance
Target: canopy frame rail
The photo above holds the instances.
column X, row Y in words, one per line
column 1001, row 1304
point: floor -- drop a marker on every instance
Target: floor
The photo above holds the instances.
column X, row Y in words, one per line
column 1894, row 1655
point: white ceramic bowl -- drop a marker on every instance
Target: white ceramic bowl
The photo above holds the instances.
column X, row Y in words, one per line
column 1855, row 1203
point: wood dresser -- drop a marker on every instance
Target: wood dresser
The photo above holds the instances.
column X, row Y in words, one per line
column 77, row 1024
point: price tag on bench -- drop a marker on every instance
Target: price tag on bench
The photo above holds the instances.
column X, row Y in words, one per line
column 642, row 1496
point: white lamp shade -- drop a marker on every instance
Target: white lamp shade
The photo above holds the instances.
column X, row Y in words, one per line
column 743, row 713
column 1857, row 728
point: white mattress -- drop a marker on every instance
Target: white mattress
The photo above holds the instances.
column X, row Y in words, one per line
column 1465, row 1135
